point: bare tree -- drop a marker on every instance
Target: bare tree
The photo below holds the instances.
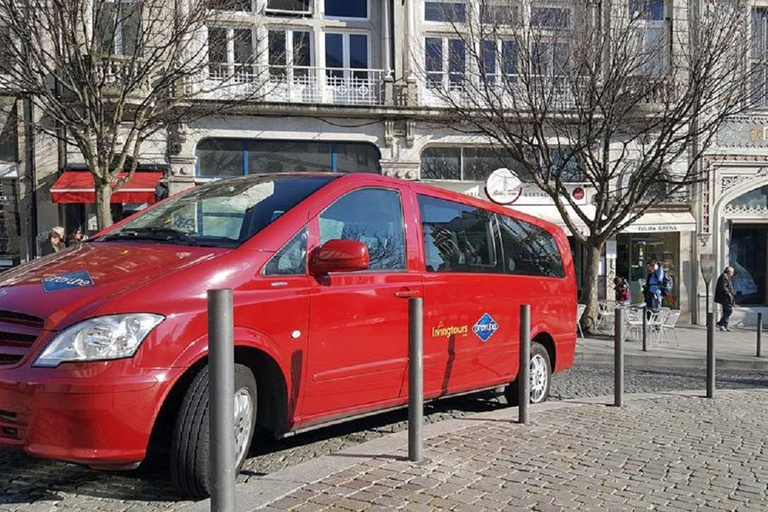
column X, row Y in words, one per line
column 107, row 75
column 619, row 95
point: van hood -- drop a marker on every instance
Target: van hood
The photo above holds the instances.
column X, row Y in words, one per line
column 74, row 284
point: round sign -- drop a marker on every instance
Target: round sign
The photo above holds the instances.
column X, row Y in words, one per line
column 503, row 186
column 578, row 193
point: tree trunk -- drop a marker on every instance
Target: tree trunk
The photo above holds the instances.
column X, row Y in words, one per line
column 103, row 204
column 591, row 283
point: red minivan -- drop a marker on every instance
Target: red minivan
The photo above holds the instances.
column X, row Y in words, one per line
column 103, row 346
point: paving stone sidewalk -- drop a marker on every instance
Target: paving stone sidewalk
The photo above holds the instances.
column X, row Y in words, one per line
column 660, row 452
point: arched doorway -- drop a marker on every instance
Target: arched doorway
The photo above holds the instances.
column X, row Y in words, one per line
column 747, row 245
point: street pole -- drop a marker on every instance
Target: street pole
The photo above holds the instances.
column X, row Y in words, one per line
column 524, row 372
column 415, row 378
column 618, row 357
column 645, row 328
column 710, row 355
column 759, row 335
column 221, row 361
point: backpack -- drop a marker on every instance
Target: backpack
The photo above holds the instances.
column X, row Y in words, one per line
column 666, row 285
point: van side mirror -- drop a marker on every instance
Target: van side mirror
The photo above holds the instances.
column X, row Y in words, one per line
column 339, row 256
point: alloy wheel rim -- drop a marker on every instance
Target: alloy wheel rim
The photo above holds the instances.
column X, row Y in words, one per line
column 243, row 420
column 538, row 378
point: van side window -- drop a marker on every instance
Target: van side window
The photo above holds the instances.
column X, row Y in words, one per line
column 372, row 216
column 291, row 259
column 457, row 237
column 529, row 250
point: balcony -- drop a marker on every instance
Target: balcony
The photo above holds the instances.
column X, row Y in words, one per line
column 477, row 90
column 306, row 85
column 446, row 89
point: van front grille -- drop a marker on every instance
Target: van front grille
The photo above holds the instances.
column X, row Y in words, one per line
column 18, row 332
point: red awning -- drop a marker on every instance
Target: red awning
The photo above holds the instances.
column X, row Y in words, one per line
column 78, row 187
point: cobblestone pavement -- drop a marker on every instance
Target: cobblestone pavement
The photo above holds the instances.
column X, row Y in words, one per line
column 661, row 453
column 32, row 484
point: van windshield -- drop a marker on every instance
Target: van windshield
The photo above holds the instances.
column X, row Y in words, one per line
column 221, row 214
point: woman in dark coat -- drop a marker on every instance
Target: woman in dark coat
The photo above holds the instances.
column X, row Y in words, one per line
column 724, row 296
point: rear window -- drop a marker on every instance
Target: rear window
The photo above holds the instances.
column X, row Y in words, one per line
column 462, row 238
column 529, row 250
column 220, row 214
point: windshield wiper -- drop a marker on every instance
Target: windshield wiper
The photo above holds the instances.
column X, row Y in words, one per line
column 153, row 233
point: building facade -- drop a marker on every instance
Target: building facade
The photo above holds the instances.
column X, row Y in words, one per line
column 350, row 88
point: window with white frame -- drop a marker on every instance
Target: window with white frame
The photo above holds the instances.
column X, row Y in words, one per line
column 347, row 54
column 551, row 18
column 6, row 49
column 549, row 59
column 231, row 5
column 497, row 13
column 759, row 58
column 118, row 28
column 473, row 163
column 356, row 9
column 288, row 7
column 648, row 19
column 290, row 52
column 230, row 53
column 476, row 163
column 499, row 61
column 446, row 11
column 445, row 62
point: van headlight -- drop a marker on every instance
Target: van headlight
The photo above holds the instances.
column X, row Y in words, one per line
column 99, row 339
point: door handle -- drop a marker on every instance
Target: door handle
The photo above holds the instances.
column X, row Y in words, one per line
column 407, row 293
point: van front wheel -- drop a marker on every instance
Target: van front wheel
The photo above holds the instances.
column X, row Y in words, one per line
column 190, row 446
column 541, row 377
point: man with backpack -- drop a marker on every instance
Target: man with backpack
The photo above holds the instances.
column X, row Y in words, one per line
column 657, row 285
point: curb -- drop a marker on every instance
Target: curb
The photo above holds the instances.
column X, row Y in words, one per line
column 671, row 361
column 267, row 489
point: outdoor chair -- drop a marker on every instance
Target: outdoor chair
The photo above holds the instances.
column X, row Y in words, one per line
column 669, row 325
column 656, row 322
column 634, row 318
column 579, row 313
column 605, row 314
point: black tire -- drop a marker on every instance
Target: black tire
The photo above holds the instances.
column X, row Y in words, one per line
column 190, row 440
column 511, row 391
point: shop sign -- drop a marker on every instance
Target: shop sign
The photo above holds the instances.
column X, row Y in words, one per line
column 503, row 186
column 650, row 228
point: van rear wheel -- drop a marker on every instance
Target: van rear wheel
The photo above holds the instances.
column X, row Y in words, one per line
column 190, row 446
column 541, row 377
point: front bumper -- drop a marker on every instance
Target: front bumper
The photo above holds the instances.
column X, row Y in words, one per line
column 100, row 414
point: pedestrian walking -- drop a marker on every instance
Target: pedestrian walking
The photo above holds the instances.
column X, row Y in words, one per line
column 55, row 241
column 653, row 286
column 725, row 297
column 621, row 287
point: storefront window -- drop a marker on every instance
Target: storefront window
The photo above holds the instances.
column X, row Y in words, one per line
column 748, row 248
column 219, row 158
column 635, row 251
column 478, row 162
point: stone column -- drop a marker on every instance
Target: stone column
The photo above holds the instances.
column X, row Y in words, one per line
column 182, row 173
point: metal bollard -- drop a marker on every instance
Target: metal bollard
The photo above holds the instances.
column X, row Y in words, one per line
column 759, row 335
column 618, row 357
column 221, row 362
column 645, row 328
column 524, row 372
column 415, row 378
column 710, row 355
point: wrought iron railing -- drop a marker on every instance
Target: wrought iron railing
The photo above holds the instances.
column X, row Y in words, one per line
column 298, row 84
